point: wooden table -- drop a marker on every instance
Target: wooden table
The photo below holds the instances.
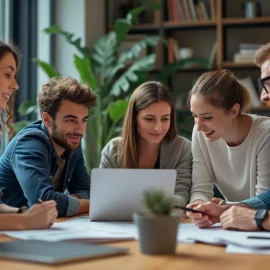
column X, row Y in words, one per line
column 188, row 256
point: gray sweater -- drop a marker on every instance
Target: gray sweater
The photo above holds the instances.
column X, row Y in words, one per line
column 173, row 155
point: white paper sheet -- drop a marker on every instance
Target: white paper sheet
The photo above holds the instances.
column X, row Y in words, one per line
column 216, row 235
column 82, row 228
column 79, row 228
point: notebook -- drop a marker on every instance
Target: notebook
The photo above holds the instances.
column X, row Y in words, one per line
column 55, row 252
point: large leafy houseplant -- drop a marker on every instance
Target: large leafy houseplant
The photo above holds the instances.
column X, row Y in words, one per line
column 112, row 75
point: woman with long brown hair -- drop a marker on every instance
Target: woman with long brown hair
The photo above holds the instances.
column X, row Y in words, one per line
column 149, row 138
column 41, row 215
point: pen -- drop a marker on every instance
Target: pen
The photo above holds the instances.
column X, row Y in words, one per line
column 188, row 209
column 259, row 237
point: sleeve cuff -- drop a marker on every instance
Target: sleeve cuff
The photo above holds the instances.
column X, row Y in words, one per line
column 255, row 203
column 73, row 206
column 82, row 195
column 198, row 196
column 179, row 201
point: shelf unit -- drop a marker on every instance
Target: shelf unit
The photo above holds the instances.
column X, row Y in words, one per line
column 227, row 21
column 220, row 25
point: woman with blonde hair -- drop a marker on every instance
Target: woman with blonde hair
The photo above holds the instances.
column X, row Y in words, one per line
column 231, row 148
column 149, row 138
column 40, row 215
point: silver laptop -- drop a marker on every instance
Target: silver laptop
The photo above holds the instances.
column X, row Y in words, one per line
column 116, row 193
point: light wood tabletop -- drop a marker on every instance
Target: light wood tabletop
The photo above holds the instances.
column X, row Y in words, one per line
column 188, row 256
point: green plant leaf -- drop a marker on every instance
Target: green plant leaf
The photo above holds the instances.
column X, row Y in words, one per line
column 136, row 12
column 122, row 26
column 17, row 126
column 53, row 30
column 76, row 42
column 135, row 51
column 27, row 108
column 84, row 68
column 121, row 29
column 47, row 68
column 103, row 54
column 117, row 109
column 122, row 84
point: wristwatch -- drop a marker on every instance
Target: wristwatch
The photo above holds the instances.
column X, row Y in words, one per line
column 259, row 217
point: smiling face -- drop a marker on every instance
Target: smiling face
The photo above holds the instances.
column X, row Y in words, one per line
column 67, row 129
column 214, row 122
column 153, row 122
column 8, row 83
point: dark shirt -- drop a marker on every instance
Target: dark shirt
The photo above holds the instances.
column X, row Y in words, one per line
column 157, row 164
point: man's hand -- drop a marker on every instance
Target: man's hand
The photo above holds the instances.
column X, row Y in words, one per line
column 41, row 216
column 210, row 213
column 239, row 218
column 217, row 200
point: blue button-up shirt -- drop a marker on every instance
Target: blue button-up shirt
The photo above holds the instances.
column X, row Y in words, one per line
column 261, row 201
column 28, row 166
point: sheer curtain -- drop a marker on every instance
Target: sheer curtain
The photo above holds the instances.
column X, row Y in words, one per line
column 5, row 35
column 22, row 22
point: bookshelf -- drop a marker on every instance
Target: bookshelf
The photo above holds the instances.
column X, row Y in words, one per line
column 226, row 26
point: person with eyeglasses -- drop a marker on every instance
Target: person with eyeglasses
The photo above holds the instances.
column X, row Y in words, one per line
column 262, row 60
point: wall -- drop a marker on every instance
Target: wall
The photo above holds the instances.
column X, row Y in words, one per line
column 86, row 19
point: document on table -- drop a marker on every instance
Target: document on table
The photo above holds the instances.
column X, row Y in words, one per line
column 83, row 228
column 79, row 228
column 218, row 236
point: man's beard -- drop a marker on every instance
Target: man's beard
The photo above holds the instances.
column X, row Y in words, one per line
column 61, row 140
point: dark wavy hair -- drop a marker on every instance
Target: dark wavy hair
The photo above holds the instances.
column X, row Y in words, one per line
column 4, row 50
column 64, row 88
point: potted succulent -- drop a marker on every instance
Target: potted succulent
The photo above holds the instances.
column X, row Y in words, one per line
column 158, row 225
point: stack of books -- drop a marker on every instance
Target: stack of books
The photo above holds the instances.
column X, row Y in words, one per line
column 246, row 53
column 191, row 10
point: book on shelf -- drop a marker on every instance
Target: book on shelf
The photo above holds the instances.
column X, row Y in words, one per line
column 181, row 10
column 187, row 10
column 245, row 48
column 190, row 10
column 246, row 53
column 193, row 10
column 243, row 58
column 199, row 12
column 250, row 46
column 204, row 10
